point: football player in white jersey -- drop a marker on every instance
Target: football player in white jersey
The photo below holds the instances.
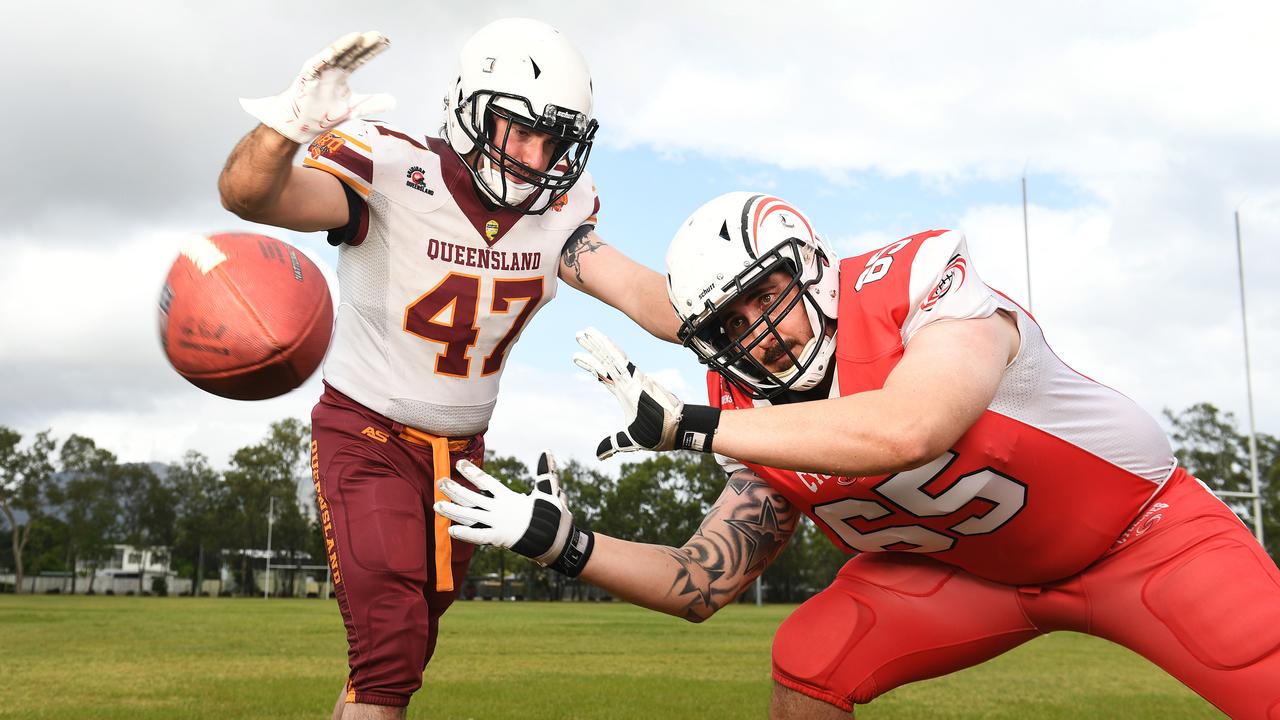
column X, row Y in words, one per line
column 447, row 247
column 989, row 492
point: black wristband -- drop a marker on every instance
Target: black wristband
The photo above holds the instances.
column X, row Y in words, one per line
column 697, row 428
column 577, row 549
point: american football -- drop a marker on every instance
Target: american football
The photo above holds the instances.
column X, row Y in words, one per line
column 244, row 316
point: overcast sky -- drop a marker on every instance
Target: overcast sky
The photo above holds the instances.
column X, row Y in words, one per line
column 1140, row 128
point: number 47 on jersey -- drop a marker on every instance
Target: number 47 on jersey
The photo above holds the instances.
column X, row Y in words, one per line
column 448, row 314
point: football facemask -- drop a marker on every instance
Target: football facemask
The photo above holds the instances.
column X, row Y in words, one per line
column 505, row 180
column 729, row 351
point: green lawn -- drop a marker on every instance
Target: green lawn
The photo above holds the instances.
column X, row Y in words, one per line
column 126, row 657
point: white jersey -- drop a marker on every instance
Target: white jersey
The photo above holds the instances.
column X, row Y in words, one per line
column 434, row 286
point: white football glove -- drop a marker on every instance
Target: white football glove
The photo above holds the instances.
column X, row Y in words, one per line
column 656, row 419
column 319, row 98
column 537, row 525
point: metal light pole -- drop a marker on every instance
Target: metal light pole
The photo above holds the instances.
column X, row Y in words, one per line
column 271, row 517
column 1248, row 379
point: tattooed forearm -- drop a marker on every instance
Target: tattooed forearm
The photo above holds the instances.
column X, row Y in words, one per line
column 579, row 242
column 745, row 530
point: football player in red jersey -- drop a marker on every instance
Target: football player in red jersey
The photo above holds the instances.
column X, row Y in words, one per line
column 448, row 246
column 988, row 492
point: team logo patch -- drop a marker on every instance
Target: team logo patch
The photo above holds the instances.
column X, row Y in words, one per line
column 416, row 178
column 491, row 229
column 326, row 144
column 952, row 279
column 560, row 202
column 1144, row 523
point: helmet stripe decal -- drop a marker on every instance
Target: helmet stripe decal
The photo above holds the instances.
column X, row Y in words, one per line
column 767, row 207
column 746, row 227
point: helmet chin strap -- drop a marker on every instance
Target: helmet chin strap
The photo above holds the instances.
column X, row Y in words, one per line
column 816, row 370
column 516, row 192
column 819, row 366
column 785, row 375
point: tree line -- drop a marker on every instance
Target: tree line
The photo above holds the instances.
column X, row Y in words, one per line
column 65, row 503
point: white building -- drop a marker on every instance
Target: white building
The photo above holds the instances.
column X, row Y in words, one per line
column 117, row 575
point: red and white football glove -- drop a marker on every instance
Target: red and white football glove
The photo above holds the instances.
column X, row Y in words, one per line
column 656, row 419
column 319, row 98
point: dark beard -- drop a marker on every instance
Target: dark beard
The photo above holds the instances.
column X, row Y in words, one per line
column 774, row 353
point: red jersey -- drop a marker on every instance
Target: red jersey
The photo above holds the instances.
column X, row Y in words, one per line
column 1038, row 488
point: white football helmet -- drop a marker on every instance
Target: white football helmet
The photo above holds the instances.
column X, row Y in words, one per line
column 725, row 247
column 527, row 72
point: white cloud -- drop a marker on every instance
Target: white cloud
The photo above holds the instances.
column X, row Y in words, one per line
column 1095, row 91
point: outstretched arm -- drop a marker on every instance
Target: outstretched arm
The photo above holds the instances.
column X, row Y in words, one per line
column 593, row 266
column 259, row 182
column 745, row 530
column 946, row 379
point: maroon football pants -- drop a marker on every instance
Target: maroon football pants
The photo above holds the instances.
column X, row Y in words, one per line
column 395, row 569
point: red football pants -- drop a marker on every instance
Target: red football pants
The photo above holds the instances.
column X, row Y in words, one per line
column 375, row 485
column 1187, row 587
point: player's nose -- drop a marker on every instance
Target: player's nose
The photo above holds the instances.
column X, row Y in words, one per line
column 756, row 328
column 536, row 153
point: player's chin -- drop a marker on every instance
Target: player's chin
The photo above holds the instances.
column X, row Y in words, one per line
column 776, row 360
column 776, row 366
column 520, row 176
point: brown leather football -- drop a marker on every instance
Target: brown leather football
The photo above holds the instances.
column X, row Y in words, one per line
column 244, row 316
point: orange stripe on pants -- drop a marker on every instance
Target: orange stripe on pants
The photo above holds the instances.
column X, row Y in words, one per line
column 440, row 448
column 444, row 543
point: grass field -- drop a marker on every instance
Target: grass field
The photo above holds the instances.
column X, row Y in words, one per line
column 126, row 657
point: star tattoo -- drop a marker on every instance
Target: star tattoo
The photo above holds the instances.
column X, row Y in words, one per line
column 763, row 536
